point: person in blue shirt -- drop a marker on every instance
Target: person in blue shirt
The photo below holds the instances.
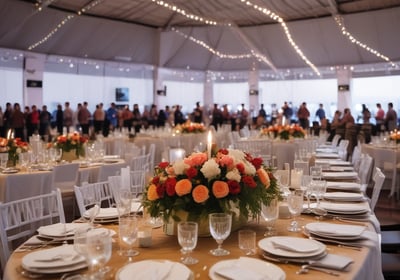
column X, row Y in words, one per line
column 112, row 116
column 320, row 113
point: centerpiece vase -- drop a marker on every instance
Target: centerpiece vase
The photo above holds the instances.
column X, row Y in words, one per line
column 70, row 155
column 12, row 159
column 170, row 226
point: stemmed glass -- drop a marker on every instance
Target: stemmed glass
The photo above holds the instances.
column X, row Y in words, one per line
column 295, row 204
column 95, row 245
column 220, row 228
column 270, row 214
column 3, row 160
column 306, row 188
column 318, row 189
column 128, row 234
column 187, row 238
column 93, row 201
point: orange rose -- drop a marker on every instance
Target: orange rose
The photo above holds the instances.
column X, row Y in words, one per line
column 152, row 193
column 220, row 189
column 264, row 178
column 183, row 187
column 200, row 193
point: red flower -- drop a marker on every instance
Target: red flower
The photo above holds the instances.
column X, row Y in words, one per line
column 155, row 180
column 257, row 162
column 240, row 167
column 160, row 190
column 170, row 186
column 249, row 181
column 234, row 187
column 223, row 151
column 191, row 172
column 163, row 164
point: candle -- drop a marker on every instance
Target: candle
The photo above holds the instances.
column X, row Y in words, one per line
column 9, row 134
column 296, row 176
column 209, row 144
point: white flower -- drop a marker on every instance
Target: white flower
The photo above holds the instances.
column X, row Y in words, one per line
column 179, row 167
column 249, row 168
column 210, row 169
column 234, row 175
column 237, row 155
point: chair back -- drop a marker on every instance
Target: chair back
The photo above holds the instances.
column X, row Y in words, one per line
column 386, row 160
column 365, row 169
column 138, row 178
column 65, row 176
column 20, row 219
column 335, row 140
column 356, row 157
column 141, row 162
column 378, row 179
column 87, row 194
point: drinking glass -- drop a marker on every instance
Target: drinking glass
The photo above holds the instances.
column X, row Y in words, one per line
column 270, row 214
column 295, row 204
column 187, row 238
column 318, row 189
column 128, row 234
column 247, row 241
column 93, row 202
column 24, row 160
column 305, row 187
column 316, row 172
column 95, row 245
column 220, row 228
column 3, row 160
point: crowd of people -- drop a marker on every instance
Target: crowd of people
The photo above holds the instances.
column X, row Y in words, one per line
column 33, row 120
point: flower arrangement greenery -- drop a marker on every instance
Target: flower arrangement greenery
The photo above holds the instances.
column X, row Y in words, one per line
column 190, row 127
column 199, row 186
column 69, row 142
column 13, row 146
column 284, row 132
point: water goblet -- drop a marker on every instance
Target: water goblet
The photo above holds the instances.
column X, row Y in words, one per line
column 99, row 249
column 270, row 214
column 295, row 204
column 220, row 228
column 3, row 160
column 316, row 172
column 305, row 187
column 128, row 234
column 187, row 238
column 318, row 188
column 93, row 202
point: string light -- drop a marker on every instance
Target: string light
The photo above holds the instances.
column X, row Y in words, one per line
column 63, row 21
column 280, row 20
column 340, row 23
column 186, row 14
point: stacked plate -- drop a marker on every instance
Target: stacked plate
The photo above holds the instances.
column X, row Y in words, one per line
column 291, row 249
column 339, row 232
column 340, row 175
column 246, row 268
column 60, row 231
column 155, row 269
column 344, row 196
column 345, row 208
column 56, row 260
column 106, row 215
column 344, row 186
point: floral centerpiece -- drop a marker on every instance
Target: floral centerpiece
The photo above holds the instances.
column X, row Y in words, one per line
column 284, row 132
column 395, row 136
column 229, row 180
column 190, row 127
column 71, row 142
column 13, row 146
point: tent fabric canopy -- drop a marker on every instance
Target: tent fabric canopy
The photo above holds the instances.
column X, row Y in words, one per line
column 144, row 32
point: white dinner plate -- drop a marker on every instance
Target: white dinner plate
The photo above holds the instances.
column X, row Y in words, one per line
column 335, row 230
column 344, row 196
column 60, row 230
column 40, row 261
column 267, row 244
column 345, row 208
column 154, row 269
column 10, row 170
column 246, row 268
column 346, row 186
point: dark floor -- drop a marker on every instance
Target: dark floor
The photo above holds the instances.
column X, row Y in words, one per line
column 388, row 208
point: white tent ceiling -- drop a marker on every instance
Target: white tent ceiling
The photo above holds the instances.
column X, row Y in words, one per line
column 144, row 32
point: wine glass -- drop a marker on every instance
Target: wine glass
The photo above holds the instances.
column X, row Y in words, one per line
column 270, row 214
column 128, row 234
column 295, row 204
column 220, row 228
column 305, row 187
column 187, row 238
column 95, row 245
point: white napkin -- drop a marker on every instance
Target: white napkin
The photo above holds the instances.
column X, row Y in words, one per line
column 333, row 261
column 294, row 246
column 154, row 270
column 241, row 270
column 335, row 229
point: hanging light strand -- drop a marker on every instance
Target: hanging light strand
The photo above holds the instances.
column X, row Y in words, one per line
column 289, row 37
column 340, row 23
column 62, row 22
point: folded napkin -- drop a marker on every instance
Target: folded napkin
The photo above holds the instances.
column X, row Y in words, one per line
column 335, row 229
column 333, row 261
column 155, row 270
column 294, row 245
column 241, row 269
column 60, row 229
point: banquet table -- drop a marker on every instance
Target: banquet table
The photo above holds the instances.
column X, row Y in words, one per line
column 24, row 184
column 367, row 260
